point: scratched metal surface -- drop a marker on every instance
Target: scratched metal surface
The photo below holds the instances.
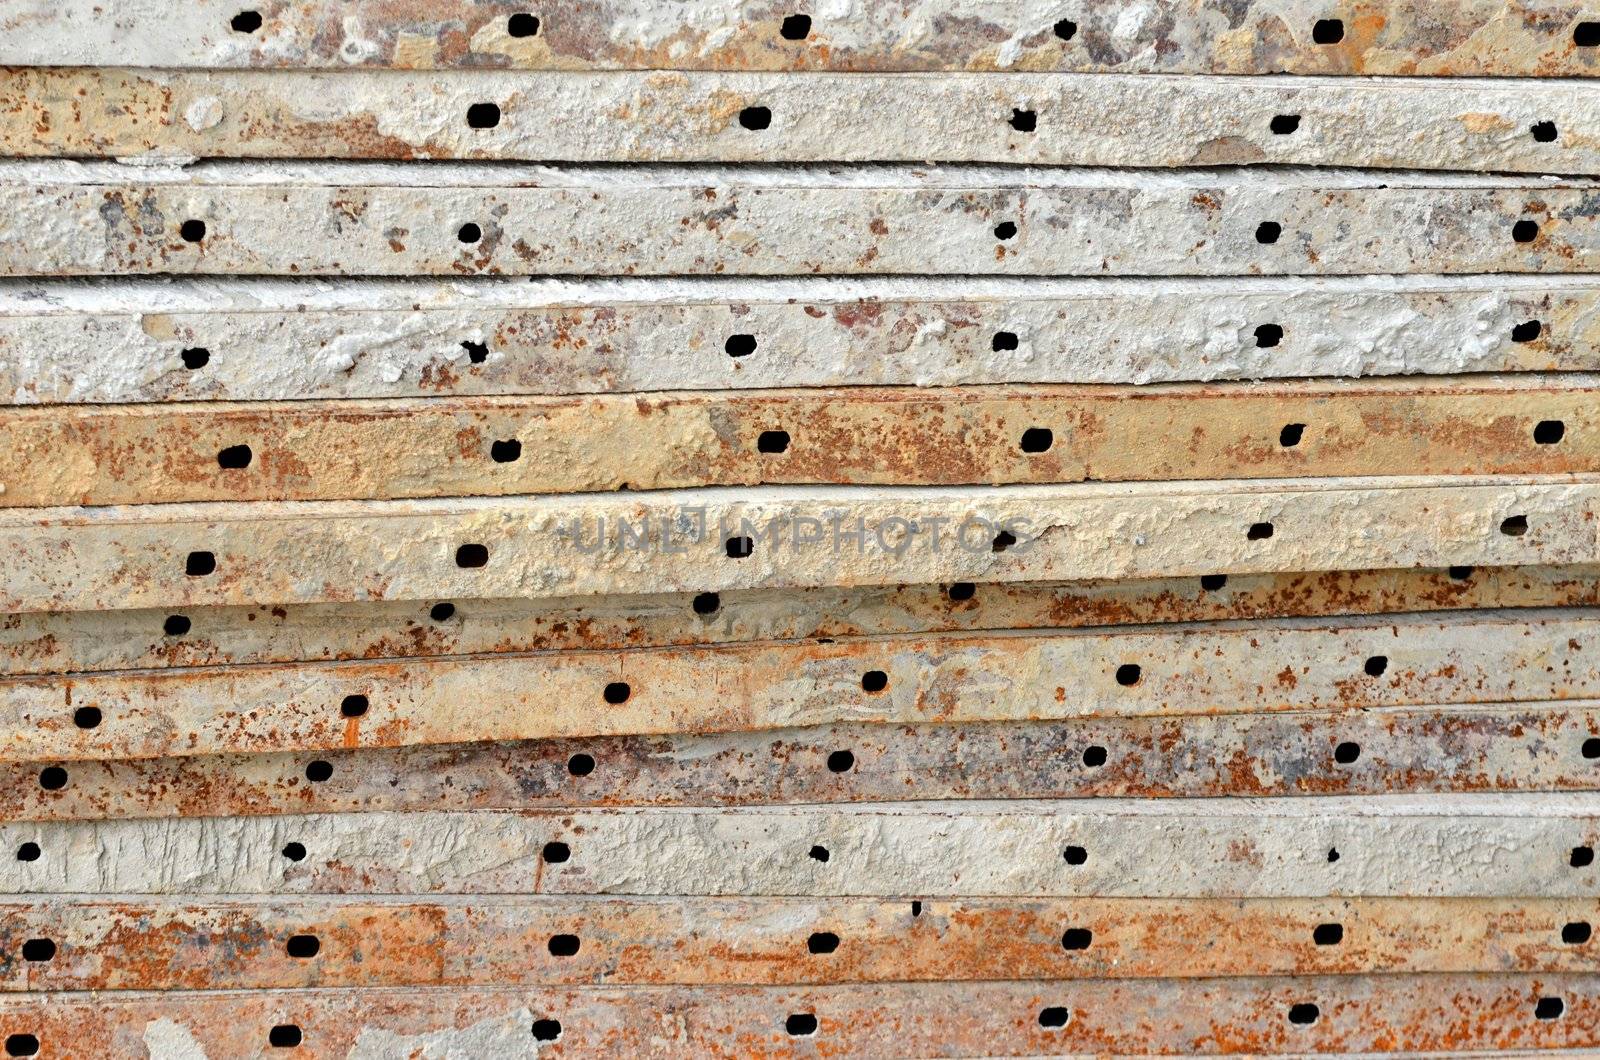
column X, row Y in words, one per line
column 1537, row 38
column 1037, row 119
column 1477, row 657
column 711, row 540
column 864, row 436
column 1411, row 845
column 558, row 529
column 143, row 340
column 43, row 642
column 238, row 944
column 1370, row 751
column 343, row 219
column 1451, row 1014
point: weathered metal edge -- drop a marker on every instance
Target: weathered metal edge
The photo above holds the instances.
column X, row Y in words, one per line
column 133, row 340
column 1030, row 118
column 1465, row 37
column 1331, row 1014
column 43, row 642
column 1369, row 751
column 1246, row 667
column 476, row 447
column 188, row 943
column 63, row 221
column 711, row 540
column 1429, row 845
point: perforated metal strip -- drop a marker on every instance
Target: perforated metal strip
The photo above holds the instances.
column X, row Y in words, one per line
column 181, row 555
column 1471, row 37
column 369, row 219
column 136, row 340
column 139, row 944
column 1159, row 670
column 1041, row 119
column 1373, row 846
column 1371, row 751
column 92, row 641
column 1316, row 1014
column 473, row 447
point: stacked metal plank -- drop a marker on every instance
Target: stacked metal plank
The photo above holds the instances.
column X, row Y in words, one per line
column 884, row 528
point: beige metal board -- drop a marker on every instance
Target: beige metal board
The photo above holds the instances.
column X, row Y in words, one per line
column 475, row 447
column 1417, row 846
column 1159, row 670
column 42, row 642
column 1468, row 37
column 135, row 340
column 1370, row 751
column 180, row 555
column 346, row 219
column 1037, row 119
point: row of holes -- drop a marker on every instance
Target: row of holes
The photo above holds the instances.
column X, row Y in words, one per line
column 756, row 118
column 1346, row 752
column 1267, row 232
column 1267, row 336
column 281, row 1036
column 798, row 28
column 709, row 604
column 795, row 1024
column 819, row 943
column 556, row 852
column 200, row 564
column 1033, row 440
column 617, row 693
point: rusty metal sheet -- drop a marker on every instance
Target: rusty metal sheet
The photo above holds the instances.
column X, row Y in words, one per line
column 1469, row 37
column 1416, row 846
column 709, row 540
column 1334, row 1014
column 79, row 219
column 474, row 447
column 88, row 641
column 1039, row 119
column 133, row 340
column 1449, row 1014
column 1479, row 657
column 1375, row 750
column 230, row 944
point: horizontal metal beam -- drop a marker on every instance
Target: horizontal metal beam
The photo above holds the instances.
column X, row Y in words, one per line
column 1450, row 1014
column 181, row 944
column 475, row 447
column 70, row 219
column 1147, row 671
column 180, row 555
column 41, row 642
column 1475, row 37
column 1040, row 119
column 1372, row 751
column 1431, row 846
column 250, row 340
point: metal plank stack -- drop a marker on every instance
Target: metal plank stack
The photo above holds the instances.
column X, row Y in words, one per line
column 883, row 528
